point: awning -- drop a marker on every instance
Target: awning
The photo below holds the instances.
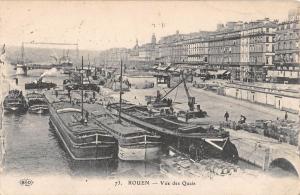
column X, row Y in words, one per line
column 198, row 71
column 218, row 72
column 161, row 68
column 171, row 69
column 155, row 67
column 178, row 70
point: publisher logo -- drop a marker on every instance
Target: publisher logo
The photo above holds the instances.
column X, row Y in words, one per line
column 26, row 182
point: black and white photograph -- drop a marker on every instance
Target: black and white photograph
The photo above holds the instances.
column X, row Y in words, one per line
column 149, row 97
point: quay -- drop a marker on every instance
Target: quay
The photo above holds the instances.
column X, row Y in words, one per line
column 258, row 150
column 265, row 152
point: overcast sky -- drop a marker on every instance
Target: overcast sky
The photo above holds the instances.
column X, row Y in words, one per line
column 102, row 25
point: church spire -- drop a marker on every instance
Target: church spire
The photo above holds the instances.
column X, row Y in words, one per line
column 136, row 43
column 153, row 39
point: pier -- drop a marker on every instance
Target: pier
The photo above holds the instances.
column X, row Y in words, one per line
column 265, row 152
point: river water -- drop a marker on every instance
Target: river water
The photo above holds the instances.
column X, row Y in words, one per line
column 32, row 147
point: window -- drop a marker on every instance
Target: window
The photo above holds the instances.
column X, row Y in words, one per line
column 267, row 30
column 267, row 39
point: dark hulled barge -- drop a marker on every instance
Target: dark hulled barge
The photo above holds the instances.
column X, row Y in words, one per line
column 15, row 101
column 199, row 141
column 37, row 103
column 83, row 140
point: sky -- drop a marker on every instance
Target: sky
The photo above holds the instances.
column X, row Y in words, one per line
column 99, row 25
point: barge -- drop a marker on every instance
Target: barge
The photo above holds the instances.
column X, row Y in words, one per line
column 134, row 143
column 37, row 103
column 15, row 101
column 83, row 140
column 200, row 141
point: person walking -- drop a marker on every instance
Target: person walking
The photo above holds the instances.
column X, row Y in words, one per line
column 87, row 115
column 286, row 115
column 226, row 116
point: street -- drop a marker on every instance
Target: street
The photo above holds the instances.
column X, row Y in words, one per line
column 215, row 105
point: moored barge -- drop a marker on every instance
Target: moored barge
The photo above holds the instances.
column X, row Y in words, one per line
column 37, row 103
column 199, row 141
column 15, row 101
column 134, row 143
column 83, row 140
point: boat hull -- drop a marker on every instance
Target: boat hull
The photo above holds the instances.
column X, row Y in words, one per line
column 138, row 153
column 15, row 108
column 38, row 110
column 81, row 153
column 40, row 85
column 78, row 150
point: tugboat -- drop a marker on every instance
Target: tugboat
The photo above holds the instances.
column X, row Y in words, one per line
column 75, row 83
column 83, row 139
column 37, row 103
column 15, row 101
column 39, row 84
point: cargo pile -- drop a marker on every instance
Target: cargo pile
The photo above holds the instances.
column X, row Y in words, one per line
column 282, row 130
column 182, row 166
column 217, row 167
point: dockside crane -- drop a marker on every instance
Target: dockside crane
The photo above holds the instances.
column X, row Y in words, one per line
column 191, row 100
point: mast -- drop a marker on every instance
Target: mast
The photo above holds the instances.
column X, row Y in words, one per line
column 82, row 88
column 22, row 53
column 121, row 81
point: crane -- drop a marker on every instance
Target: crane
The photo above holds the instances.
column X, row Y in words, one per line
column 162, row 102
column 191, row 100
column 49, row 43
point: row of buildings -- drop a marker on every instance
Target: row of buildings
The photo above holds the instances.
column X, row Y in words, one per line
column 252, row 51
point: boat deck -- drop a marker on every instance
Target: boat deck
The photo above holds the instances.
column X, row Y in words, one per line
column 100, row 119
column 72, row 118
column 171, row 127
column 111, row 122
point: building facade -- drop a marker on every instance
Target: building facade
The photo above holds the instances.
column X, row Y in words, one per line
column 261, row 50
column 287, row 51
column 195, row 49
column 143, row 56
column 111, row 58
column 257, row 49
column 170, row 49
column 224, row 48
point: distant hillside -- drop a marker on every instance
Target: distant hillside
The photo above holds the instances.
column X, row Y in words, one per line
column 37, row 55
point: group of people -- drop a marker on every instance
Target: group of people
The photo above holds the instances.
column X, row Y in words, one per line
column 15, row 93
column 243, row 118
column 241, row 121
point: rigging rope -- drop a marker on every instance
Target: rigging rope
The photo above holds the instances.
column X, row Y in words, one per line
column 176, row 94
